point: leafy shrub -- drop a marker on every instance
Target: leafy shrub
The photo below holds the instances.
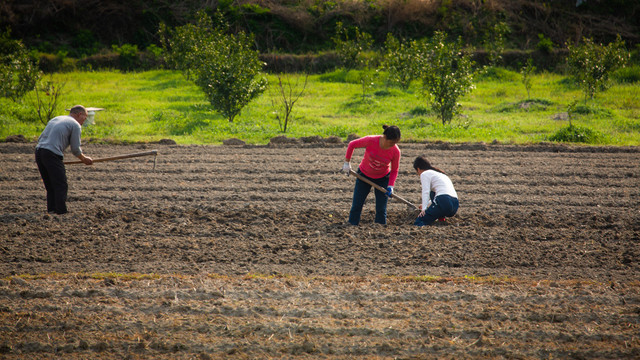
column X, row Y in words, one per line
column 84, row 43
column 398, row 62
column 576, row 134
column 447, row 73
column 49, row 63
column 224, row 66
column 591, row 64
column 128, row 56
column 355, row 53
column 18, row 69
column 544, row 44
column 352, row 48
column 494, row 41
column 104, row 60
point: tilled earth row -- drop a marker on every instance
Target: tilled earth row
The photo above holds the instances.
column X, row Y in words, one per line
column 214, row 317
column 537, row 225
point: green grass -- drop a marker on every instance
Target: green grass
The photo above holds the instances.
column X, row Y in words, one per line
column 153, row 105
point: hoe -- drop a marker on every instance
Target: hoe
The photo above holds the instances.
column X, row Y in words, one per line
column 119, row 157
column 380, row 188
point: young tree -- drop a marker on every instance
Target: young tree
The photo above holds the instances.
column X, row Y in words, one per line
column 353, row 53
column 447, row 73
column 398, row 62
column 286, row 94
column 18, row 70
column 527, row 70
column 45, row 98
column 225, row 66
column 230, row 74
column 495, row 41
column 181, row 45
column 591, row 64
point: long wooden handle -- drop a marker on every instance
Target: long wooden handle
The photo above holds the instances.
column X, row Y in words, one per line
column 380, row 188
column 127, row 156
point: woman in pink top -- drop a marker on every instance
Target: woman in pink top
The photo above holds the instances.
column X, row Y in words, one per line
column 380, row 165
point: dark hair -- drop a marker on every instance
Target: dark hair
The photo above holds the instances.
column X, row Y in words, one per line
column 78, row 109
column 422, row 163
column 391, row 132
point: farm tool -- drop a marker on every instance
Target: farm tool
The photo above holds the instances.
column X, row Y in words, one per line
column 380, row 188
column 126, row 156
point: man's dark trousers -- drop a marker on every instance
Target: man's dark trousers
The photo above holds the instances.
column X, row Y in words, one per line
column 54, row 175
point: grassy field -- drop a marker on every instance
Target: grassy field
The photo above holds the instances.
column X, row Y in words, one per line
column 153, row 105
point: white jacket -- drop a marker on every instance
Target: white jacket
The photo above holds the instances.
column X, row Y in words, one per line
column 437, row 182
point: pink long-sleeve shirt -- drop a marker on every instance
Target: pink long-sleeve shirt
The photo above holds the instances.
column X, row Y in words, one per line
column 377, row 162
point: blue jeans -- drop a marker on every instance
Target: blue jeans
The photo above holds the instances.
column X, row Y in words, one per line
column 441, row 206
column 360, row 193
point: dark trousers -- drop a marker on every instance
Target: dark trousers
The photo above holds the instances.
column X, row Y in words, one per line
column 54, row 176
column 360, row 193
column 441, row 206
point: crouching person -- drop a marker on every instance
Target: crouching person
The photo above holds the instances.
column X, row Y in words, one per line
column 439, row 198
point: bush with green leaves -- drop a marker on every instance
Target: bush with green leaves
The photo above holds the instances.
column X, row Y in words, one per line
column 544, row 44
column 592, row 64
column 225, row 66
column 128, row 56
column 447, row 73
column 19, row 71
column 352, row 49
column 398, row 62
column 574, row 133
column 495, row 41
column 355, row 53
column 181, row 45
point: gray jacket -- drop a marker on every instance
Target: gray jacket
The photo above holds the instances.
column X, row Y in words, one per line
column 61, row 132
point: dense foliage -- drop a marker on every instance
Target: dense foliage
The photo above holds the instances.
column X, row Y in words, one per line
column 18, row 70
column 592, row 64
column 80, row 28
column 446, row 73
column 224, row 65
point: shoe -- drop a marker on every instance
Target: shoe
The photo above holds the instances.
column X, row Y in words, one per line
column 442, row 219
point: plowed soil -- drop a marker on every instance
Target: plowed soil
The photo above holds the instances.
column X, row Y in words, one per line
column 244, row 252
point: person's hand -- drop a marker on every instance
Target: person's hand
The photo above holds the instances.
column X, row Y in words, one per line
column 421, row 213
column 87, row 160
column 389, row 192
column 346, row 167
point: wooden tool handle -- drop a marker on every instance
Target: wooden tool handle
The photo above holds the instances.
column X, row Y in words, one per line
column 380, row 188
column 127, row 156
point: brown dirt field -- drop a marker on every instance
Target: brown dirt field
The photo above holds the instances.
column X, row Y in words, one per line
column 244, row 252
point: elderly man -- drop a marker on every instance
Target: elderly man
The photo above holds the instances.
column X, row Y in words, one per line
column 60, row 133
